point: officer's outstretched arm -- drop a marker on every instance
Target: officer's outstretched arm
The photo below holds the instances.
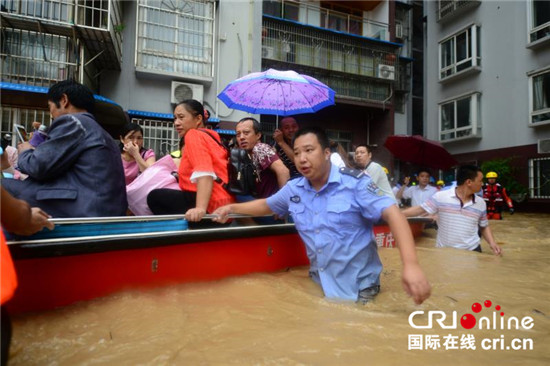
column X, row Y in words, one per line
column 414, row 281
column 254, row 208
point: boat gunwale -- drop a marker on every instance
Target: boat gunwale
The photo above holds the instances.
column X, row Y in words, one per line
column 55, row 247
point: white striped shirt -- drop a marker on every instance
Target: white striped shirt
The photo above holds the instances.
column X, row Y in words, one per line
column 458, row 224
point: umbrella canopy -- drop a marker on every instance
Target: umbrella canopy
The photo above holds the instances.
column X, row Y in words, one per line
column 283, row 93
column 419, row 150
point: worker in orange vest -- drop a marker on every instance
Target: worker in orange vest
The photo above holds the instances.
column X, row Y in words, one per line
column 19, row 218
column 495, row 197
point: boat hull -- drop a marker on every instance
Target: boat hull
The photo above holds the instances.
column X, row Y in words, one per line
column 57, row 273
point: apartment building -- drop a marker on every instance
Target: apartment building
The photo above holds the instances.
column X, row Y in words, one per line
column 487, row 88
column 145, row 55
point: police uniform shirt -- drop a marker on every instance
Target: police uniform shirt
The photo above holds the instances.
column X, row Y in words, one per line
column 336, row 224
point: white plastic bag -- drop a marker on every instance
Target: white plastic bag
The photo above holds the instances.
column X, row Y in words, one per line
column 158, row 175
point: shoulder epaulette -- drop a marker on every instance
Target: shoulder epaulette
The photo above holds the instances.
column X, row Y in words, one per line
column 356, row 173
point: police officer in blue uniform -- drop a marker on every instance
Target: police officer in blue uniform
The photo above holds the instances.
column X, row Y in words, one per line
column 334, row 211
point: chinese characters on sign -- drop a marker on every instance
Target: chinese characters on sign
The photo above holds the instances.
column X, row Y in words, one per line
column 430, row 341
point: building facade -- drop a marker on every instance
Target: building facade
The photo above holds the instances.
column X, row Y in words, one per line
column 487, row 86
column 147, row 55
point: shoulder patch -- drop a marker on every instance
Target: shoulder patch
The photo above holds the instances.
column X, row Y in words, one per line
column 356, row 173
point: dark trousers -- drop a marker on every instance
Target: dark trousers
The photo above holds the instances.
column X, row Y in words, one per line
column 173, row 202
column 477, row 249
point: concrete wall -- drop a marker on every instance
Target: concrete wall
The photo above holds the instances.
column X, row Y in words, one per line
column 503, row 83
column 238, row 33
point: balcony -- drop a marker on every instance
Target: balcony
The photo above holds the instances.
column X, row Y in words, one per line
column 97, row 23
column 450, row 9
column 355, row 67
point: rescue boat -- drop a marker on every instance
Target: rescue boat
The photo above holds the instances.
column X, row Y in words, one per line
column 92, row 257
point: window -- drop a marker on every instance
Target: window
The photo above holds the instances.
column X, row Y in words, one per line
column 36, row 59
column 540, row 20
column 459, row 118
column 459, row 52
column 282, row 9
column 539, row 178
column 540, row 97
column 341, row 137
column 176, row 37
column 21, row 116
column 158, row 135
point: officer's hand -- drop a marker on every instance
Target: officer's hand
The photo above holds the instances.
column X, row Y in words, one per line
column 512, row 210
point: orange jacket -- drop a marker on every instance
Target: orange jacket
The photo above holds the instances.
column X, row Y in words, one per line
column 8, row 277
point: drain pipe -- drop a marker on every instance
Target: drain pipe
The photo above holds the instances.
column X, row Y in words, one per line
column 386, row 100
column 218, row 63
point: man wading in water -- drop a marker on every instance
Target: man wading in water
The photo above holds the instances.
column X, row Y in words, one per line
column 334, row 211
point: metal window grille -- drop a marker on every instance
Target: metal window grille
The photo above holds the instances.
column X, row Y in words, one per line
column 341, row 137
column 25, row 117
column 449, row 8
column 539, row 178
column 158, row 135
column 176, row 36
column 36, row 59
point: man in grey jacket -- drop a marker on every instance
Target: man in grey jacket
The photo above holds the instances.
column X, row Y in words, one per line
column 77, row 171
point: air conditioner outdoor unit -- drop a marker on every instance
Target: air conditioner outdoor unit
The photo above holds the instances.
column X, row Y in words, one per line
column 386, row 72
column 543, row 146
column 398, row 30
column 268, row 52
column 183, row 91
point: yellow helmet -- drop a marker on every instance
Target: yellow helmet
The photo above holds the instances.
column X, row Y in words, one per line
column 440, row 183
column 386, row 170
column 491, row 175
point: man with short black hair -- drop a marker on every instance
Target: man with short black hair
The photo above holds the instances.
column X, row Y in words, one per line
column 272, row 173
column 283, row 143
column 418, row 194
column 363, row 160
column 461, row 213
column 77, row 170
column 334, row 211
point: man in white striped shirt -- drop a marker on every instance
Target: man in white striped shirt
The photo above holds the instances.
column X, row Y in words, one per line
column 461, row 213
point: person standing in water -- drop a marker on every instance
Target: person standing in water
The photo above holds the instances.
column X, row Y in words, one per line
column 334, row 211
column 461, row 213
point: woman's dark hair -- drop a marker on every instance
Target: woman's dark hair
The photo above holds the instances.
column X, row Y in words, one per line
column 130, row 127
column 318, row 132
column 79, row 95
column 194, row 107
column 336, row 147
column 255, row 124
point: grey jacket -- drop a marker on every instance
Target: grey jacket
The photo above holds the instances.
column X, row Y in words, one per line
column 76, row 172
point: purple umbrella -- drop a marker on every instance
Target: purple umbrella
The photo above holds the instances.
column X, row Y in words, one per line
column 282, row 93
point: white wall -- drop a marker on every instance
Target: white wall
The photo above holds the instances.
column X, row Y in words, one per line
column 505, row 60
column 239, row 30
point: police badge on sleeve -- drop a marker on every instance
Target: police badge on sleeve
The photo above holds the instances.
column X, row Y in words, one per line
column 373, row 188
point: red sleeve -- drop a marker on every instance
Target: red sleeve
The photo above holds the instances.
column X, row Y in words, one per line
column 196, row 149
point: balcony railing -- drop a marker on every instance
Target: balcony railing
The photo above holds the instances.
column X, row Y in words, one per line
column 31, row 58
column 312, row 14
column 448, row 9
column 294, row 43
column 98, row 23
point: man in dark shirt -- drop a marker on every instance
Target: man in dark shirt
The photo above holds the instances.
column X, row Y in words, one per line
column 283, row 141
column 77, row 170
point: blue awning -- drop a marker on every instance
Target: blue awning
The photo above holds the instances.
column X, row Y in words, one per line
column 40, row 90
column 169, row 116
column 108, row 114
column 225, row 132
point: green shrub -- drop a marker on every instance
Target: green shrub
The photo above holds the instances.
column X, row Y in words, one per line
column 506, row 174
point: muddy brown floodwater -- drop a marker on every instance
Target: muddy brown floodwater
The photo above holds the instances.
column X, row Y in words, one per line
column 283, row 319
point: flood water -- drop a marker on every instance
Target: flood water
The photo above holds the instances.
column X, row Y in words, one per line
column 283, row 319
